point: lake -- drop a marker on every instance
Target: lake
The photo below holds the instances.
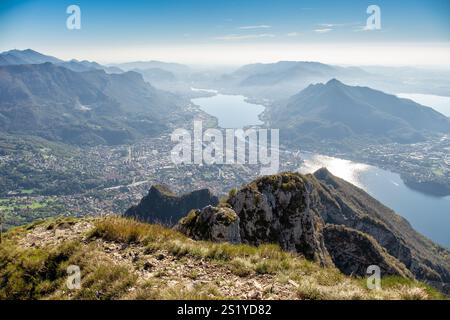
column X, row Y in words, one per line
column 438, row 103
column 232, row 111
column 427, row 214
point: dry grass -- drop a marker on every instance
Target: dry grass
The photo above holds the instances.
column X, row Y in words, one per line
column 131, row 231
column 35, row 273
column 157, row 289
column 313, row 281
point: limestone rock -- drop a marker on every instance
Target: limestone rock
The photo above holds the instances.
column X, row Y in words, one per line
column 161, row 205
column 280, row 209
column 353, row 252
column 218, row 224
column 292, row 210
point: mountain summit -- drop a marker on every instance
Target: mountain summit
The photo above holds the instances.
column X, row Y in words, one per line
column 28, row 56
column 163, row 206
column 336, row 111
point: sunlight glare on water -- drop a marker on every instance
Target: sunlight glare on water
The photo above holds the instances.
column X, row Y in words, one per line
column 345, row 169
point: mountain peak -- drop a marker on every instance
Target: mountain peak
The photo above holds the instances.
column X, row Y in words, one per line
column 27, row 56
column 334, row 82
column 161, row 189
column 29, row 51
column 164, row 206
column 323, row 172
column 336, row 111
column 19, row 51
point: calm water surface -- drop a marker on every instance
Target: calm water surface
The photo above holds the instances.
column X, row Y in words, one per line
column 233, row 112
column 438, row 103
column 427, row 214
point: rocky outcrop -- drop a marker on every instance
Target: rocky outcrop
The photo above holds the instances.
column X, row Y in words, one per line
column 277, row 209
column 329, row 220
column 217, row 224
column 161, row 205
column 353, row 252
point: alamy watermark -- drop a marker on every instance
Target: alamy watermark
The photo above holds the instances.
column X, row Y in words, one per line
column 73, row 21
column 374, row 20
column 227, row 147
column 73, row 281
column 374, row 279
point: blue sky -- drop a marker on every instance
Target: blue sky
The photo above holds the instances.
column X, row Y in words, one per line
column 113, row 31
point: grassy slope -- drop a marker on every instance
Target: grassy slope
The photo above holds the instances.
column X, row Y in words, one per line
column 125, row 259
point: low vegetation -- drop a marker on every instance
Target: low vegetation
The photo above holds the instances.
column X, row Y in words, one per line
column 124, row 259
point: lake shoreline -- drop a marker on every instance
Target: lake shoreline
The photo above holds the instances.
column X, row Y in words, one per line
column 424, row 206
column 391, row 190
column 431, row 188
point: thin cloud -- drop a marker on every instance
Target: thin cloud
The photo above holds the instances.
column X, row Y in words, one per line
column 361, row 28
column 324, row 30
column 262, row 26
column 364, row 28
column 327, row 25
column 237, row 37
column 293, row 34
column 337, row 25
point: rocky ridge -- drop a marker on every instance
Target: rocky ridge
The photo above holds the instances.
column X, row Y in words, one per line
column 330, row 221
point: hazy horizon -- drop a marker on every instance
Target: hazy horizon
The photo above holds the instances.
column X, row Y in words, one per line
column 209, row 33
column 318, row 54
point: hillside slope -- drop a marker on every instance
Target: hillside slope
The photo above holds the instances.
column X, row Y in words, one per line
column 123, row 259
column 90, row 107
column 336, row 112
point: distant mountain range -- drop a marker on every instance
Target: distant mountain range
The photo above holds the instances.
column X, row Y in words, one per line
column 172, row 77
column 90, row 107
column 338, row 112
column 283, row 79
column 288, row 71
column 80, row 66
column 85, row 102
column 28, row 56
column 155, row 75
column 277, row 81
column 174, row 68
